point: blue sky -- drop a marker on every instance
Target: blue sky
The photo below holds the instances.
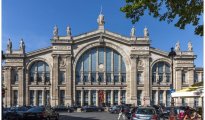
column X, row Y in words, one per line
column 33, row 20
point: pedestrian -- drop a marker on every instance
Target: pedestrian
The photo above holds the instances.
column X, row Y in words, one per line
column 187, row 113
column 122, row 112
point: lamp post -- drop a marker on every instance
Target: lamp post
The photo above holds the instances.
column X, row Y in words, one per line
column 172, row 54
column 45, row 97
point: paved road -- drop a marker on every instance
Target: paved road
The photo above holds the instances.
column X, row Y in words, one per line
column 88, row 116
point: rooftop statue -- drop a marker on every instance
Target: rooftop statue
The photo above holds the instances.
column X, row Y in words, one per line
column 21, row 44
column 55, row 31
column 177, row 46
column 146, row 32
column 9, row 44
column 68, row 31
column 190, row 48
column 133, row 31
column 100, row 19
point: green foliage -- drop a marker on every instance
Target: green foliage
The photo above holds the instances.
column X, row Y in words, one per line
column 182, row 12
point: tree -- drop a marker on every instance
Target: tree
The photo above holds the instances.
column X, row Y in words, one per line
column 182, row 12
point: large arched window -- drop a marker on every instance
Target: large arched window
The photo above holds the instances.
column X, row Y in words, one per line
column 101, row 64
column 161, row 72
column 39, row 72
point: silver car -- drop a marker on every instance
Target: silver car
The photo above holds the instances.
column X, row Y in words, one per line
column 145, row 113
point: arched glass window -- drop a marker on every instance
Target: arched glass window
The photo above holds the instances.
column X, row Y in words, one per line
column 40, row 72
column 161, row 72
column 101, row 64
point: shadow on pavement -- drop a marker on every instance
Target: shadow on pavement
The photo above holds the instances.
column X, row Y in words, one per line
column 65, row 117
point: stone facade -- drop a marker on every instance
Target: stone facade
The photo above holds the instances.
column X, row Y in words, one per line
column 144, row 83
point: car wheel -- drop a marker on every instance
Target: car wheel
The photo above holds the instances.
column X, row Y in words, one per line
column 115, row 111
column 85, row 110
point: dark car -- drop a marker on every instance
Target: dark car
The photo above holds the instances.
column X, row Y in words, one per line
column 62, row 108
column 91, row 108
column 15, row 113
column 41, row 113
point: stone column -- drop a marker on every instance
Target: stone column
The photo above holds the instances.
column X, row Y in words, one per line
column 157, row 96
column 43, row 97
column 8, row 86
column 97, row 103
column 35, row 97
column 112, row 98
column 21, row 90
column 55, row 78
column 164, row 97
column 133, row 85
column 119, row 97
column 178, row 84
column 147, row 80
column 105, row 97
column 89, row 97
column 27, row 88
column 68, row 80
column 82, row 97
column 191, row 76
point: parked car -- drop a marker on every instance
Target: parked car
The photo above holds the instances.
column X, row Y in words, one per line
column 62, row 108
column 91, row 108
column 116, row 109
column 15, row 113
column 41, row 113
column 5, row 112
column 145, row 113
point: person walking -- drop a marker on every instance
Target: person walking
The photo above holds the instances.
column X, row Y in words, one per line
column 122, row 112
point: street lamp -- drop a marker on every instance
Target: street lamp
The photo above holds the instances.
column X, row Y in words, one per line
column 172, row 54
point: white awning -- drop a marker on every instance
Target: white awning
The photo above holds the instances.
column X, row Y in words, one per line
column 189, row 92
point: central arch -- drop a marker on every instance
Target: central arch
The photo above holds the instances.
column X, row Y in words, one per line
column 107, row 46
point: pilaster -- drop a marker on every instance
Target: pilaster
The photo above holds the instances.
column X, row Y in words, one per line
column 133, row 78
column 55, row 78
column 146, row 80
column 191, row 76
column 27, row 88
column 82, row 97
column 68, row 80
column 21, row 90
column 112, row 95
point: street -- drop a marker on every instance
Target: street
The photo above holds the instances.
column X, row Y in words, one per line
column 88, row 116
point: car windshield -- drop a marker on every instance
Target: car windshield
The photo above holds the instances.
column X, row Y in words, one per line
column 145, row 111
column 36, row 109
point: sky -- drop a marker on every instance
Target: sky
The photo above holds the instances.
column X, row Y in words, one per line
column 33, row 20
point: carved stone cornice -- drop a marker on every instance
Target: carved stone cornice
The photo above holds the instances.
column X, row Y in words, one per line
column 55, row 55
column 134, row 56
